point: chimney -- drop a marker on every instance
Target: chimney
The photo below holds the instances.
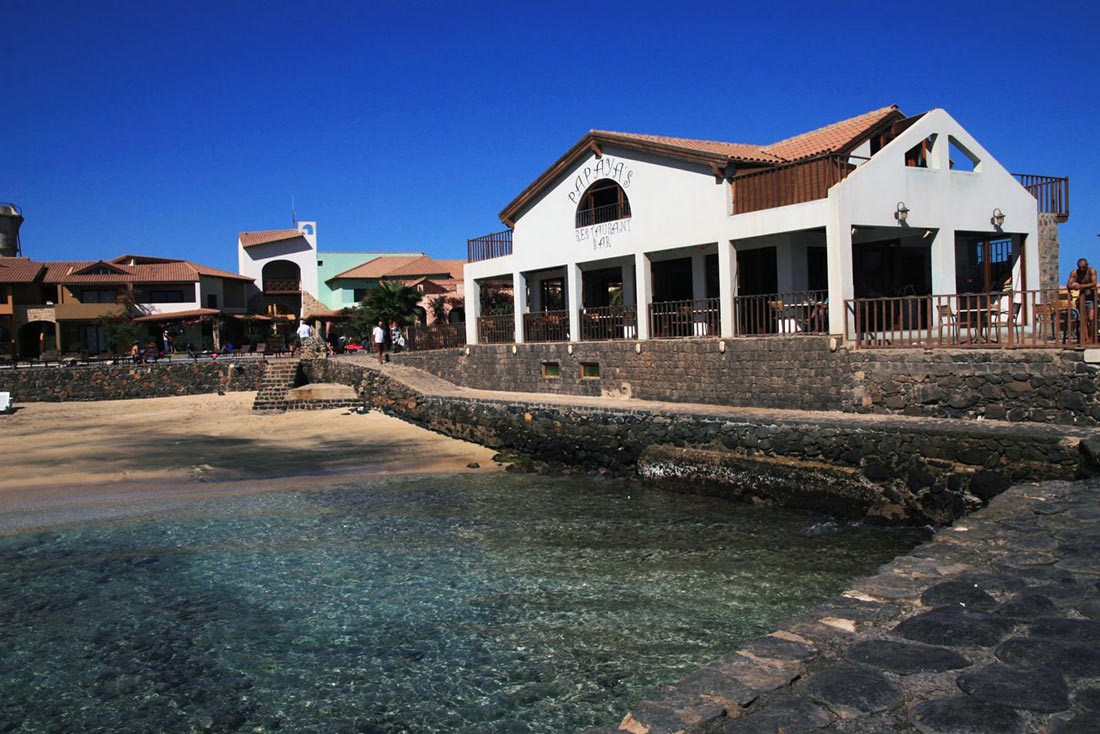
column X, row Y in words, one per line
column 11, row 218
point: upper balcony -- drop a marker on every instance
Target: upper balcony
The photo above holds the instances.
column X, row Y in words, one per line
column 282, row 285
column 497, row 244
column 811, row 179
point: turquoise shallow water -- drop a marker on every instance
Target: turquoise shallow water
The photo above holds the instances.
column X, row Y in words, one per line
column 493, row 603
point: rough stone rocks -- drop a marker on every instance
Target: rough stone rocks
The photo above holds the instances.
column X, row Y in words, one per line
column 905, row 658
column 790, row 716
column 964, row 715
column 958, row 593
column 1033, row 689
column 954, row 626
column 851, row 691
column 1081, row 659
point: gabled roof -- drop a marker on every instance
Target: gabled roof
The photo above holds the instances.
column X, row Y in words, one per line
column 376, row 267
column 147, row 270
column 18, row 270
column 837, row 137
column 833, row 138
column 216, row 273
column 263, row 237
column 421, row 266
column 112, row 268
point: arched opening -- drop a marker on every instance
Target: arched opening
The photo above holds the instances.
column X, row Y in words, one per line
column 35, row 338
column 282, row 276
column 457, row 315
column 603, row 201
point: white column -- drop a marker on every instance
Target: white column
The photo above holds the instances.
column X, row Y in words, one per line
column 471, row 297
column 727, row 285
column 573, row 300
column 943, row 262
column 643, row 284
column 838, row 236
column 519, row 303
column 698, row 275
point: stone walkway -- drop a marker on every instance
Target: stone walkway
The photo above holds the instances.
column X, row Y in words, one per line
column 990, row 627
column 429, row 384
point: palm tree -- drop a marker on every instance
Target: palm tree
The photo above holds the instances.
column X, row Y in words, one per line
column 390, row 301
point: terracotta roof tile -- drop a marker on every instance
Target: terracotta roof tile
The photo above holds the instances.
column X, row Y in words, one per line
column 214, row 272
column 18, row 270
column 737, row 151
column 251, row 239
column 376, row 267
column 423, row 265
column 830, row 138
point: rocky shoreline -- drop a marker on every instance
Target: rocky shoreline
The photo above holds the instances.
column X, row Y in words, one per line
column 992, row 626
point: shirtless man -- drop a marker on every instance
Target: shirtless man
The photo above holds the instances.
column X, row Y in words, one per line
column 1084, row 280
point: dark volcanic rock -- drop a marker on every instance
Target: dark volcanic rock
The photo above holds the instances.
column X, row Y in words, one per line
column 1026, row 608
column 1084, row 723
column 955, row 626
column 965, row 715
column 1066, row 629
column 1088, row 698
column 955, row 592
column 1033, row 689
column 854, row 690
column 905, row 658
column 1080, row 659
column 791, row 716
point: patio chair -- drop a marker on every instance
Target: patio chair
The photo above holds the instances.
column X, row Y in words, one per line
column 946, row 317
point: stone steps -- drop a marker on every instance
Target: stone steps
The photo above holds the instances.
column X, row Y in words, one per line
column 278, row 378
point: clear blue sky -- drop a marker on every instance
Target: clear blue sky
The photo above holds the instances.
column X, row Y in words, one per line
column 166, row 128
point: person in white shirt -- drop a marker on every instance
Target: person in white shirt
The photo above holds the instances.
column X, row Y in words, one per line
column 379, row 334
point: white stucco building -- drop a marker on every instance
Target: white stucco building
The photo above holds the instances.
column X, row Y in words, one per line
column 641, row 236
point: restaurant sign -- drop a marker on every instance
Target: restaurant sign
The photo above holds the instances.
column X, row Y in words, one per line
column 606, row 167
column 602, row 235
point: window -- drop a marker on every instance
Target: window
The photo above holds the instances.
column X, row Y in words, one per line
column 360, row 294
column 211, row 300
column 604, row 201
column 917, row 156
column 165, row 296
column 98, row 296
column 590, row 370
column 986, row 263
column 551, row 369
column 961, row 158
column 552, row 294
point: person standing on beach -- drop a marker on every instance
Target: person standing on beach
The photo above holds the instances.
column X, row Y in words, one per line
column 379, row 337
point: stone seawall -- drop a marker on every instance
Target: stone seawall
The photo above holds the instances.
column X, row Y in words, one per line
column 123, row 382
column 796, row 373
column 888, row 468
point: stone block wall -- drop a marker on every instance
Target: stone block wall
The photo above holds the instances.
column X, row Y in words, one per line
column 122, row 382
column 1049, row 252
column 797, row 373
column 770, row 373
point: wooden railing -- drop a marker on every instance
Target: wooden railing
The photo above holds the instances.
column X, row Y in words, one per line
column 498, row 329
column 601, row 214
column 282, row 285
column 609, row 322
column 546, row 326
column 684, row 318
column 797, row 312
column 1008, row 319
column 436, row 336
column 497, row 244
column 792, row 183
column 1051, row 192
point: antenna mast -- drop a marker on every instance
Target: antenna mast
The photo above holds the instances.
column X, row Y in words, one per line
column 293, row 212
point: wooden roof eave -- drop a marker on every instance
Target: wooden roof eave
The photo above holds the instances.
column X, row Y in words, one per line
column 594, row 142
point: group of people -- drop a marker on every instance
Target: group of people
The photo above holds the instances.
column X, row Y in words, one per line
column 378, row 337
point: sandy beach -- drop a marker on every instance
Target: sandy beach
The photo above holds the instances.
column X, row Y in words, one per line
column 71, row 461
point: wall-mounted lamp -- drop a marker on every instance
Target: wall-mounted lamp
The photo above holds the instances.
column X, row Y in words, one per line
column 902, row 212
column 998, row 218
